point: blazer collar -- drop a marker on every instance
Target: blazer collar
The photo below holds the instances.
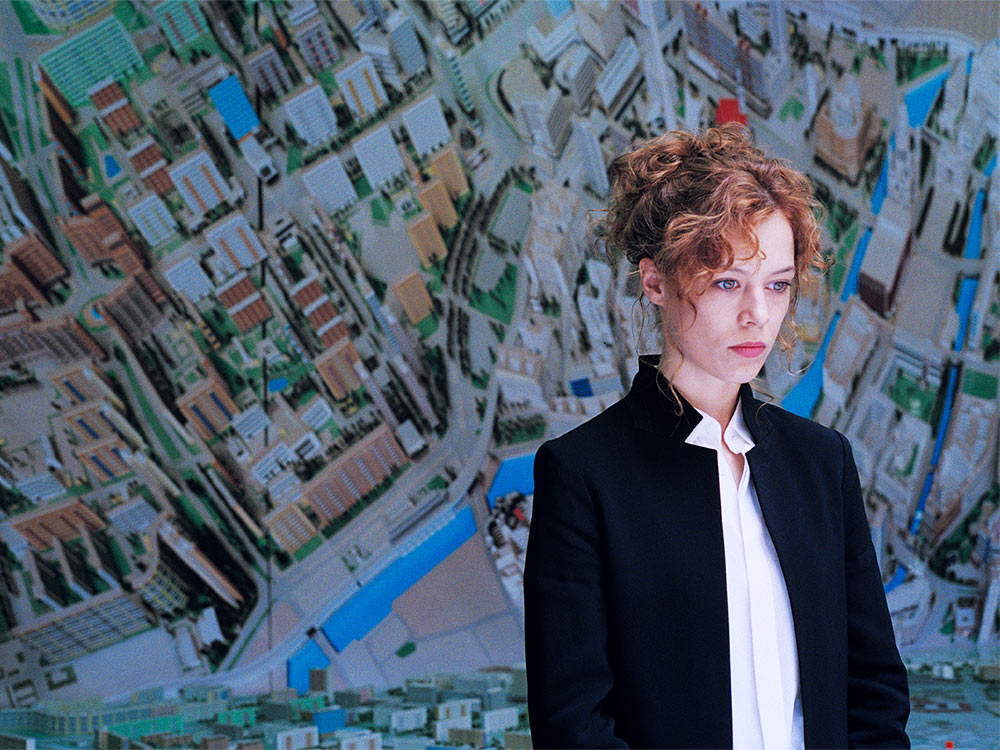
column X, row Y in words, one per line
column 654, row 408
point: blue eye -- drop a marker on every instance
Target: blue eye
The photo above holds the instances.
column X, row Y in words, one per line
column 726, row 284
column 781, row 286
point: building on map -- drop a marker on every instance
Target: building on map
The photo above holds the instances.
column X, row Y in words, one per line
column 405, row 44
column 62, row 519
column 452, row 20
column 106, row 459
column 199, row 564
column 309, row 112
column 851, row 349
column 199, row 182
column 97, row 420
column 362, row 90
column 379, row 157
column 318, row 308
column 549, row 38
column 24, row 339
column 433, row 196
column 290, row 527
column 846, row 127
column 244, row 303
column 376, row 45
column 588, row 147
column 882, row 266
column 63, row 14
column 426, row 125
column 113, row 107
column 353, row 474
column 153, row 220
column 187, row 276
column 451, row 60
column 734, row 61
column 446, row 165
column 336, row 367
column 207, row 406
column 602, row 26
column 620, row 78
column 546, row 122
column 314, row 41
column 426, row 239
column 266, row 71
column 578, row 74
column 149, row 163
column 235, row 243
column 413, row 297
column 80, row 382
column 132, row 311
column 88, row 58
column 181, row 22
column 328, row 183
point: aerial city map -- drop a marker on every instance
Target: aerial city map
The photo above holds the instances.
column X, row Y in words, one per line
column 292, row 290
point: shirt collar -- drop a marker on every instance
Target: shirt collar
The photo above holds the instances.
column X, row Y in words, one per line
column 708, row 433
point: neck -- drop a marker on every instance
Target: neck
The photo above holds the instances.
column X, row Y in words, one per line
column 714, row 397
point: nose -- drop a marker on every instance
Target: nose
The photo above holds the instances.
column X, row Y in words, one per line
column 753, row 311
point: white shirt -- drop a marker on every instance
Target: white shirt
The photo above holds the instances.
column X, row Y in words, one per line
column 763, row 664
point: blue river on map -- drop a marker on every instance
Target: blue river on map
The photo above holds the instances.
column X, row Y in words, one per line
column 514, row 474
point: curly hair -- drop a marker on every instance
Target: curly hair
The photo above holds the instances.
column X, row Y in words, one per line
column 682, row 198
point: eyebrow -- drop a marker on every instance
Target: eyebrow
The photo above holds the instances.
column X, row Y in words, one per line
column 743, row 272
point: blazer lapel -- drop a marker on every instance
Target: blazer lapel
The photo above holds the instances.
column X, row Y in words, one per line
column 784, row 507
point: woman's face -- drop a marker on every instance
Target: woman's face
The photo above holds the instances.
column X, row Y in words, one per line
column 725, row 331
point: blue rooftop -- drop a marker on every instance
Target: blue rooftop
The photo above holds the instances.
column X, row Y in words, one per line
column 232, row 103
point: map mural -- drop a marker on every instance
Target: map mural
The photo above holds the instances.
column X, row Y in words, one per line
column 292, row 290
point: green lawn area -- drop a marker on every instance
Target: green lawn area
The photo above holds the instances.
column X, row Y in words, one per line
column 381, row 208
column 327, row 81
column 427, row 326
column 791, row 108
column 308, row 548
column 522, row 185
column 361, row 187
column 498, row 302
column 437, row 483
column 30, row 24
column 150, row 416
column 24, row 99
column 406, row 649
column 979, row 384
column 839, row 268
column 911, row 398
column 129, row 17
column 294, row 159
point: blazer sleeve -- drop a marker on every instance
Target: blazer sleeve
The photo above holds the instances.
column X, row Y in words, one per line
column 565, row 622
column 878, row 702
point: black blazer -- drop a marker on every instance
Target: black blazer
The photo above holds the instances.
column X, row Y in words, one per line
column 626, row 622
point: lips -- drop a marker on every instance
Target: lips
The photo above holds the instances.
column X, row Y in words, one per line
column 749, row 349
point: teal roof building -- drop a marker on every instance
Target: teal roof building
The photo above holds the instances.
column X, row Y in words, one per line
column 182, row 22
column 90, row 57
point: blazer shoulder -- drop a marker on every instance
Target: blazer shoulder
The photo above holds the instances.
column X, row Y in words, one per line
column 793, row 427
column 612, row 424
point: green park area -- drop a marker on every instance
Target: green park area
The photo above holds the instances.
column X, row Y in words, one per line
column 791, row 108
column 30, row 23
column 498, row 302
column 308, row 548
column 979, row 384
column 842, row 259
column 907, row 394
column 150, row 416
column 427, row 326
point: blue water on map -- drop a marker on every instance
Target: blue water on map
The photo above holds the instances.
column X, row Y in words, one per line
column 896, row 579
column 308, row 657
column 111, row 167
column 514, row 474
column 921, row 99
column 851, row 285
column 949, row 399
column 373, row 603
column 278, row 384
column 975, row 237
column 991, row 166
column 966, row 295
column 802, row 398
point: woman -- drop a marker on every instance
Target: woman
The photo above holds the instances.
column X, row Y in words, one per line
column 700, row 571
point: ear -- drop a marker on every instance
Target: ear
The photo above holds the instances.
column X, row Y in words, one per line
column 654, row 283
